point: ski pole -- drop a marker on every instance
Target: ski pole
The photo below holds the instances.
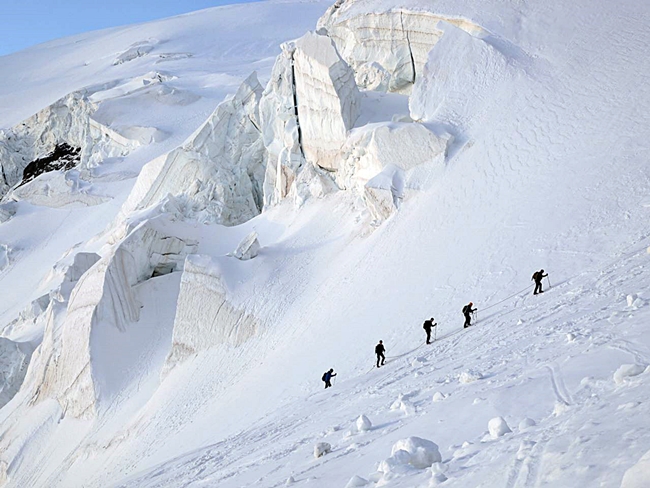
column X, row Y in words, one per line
column 549, row 281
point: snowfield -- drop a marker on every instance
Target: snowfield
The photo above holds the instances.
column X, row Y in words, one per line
column 201, row 215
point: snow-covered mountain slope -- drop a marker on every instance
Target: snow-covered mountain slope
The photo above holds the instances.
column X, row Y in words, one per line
column 398, row 161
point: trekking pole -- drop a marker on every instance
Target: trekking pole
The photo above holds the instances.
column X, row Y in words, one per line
column 549, row 281
column 435, row 333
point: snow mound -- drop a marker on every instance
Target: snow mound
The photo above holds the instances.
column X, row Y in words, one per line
column 497, row 427
column 469, row 376
column 421, row 453
column 321, row 449
column 362, row 424
column 356, row 481
column 438, row 397
column 526, row 424
column 403, row 405
column 638, row 476
column 627, row 371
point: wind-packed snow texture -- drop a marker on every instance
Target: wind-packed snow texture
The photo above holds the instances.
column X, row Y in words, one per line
column 225, row 204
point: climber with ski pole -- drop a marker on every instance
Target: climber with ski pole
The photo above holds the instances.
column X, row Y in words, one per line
column 428, row 325
column 327, row 377
column 467, row 310
column 538, row 276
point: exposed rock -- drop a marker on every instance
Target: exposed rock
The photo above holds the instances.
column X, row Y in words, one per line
column 60, row 134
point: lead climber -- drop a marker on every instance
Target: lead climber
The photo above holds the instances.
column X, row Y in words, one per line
column 428, row 325
column 379, row 351
column 537, row 278
column 467, row 310
column 327, row 377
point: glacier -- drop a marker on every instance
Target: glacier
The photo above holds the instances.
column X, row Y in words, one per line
column 221, row 206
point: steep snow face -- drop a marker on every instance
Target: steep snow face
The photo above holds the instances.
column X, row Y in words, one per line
column 328, row 100
column 460, row 80
column 387, row 50
column 217, row 175
column 66, row 122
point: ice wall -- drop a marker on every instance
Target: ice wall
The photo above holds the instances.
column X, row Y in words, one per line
column 104, row 297
column 217, row 175
column 387, row 50
column 205, row 317
column 327, row 97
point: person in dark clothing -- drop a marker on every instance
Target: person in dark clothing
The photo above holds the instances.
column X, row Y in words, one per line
column 379, row 351
column 537, row 278
column 327, row 377
column 428, row 325
column 467, row 310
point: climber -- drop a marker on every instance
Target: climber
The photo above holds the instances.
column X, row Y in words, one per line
column 379, row 351
column 327, row 377
column 537, row 278
column 467, row 310
column 428, row 325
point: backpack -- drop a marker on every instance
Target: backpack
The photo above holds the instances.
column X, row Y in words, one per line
column 466, row 309
column 535, row 276
column 324, row 378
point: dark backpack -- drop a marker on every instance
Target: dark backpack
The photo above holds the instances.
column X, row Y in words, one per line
column 466, row 309
column 324, row 378
column 535, row 276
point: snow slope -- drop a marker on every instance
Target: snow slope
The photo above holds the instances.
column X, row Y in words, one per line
column 213, row 377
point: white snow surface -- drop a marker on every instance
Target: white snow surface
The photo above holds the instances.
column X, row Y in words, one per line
column 137, row 351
